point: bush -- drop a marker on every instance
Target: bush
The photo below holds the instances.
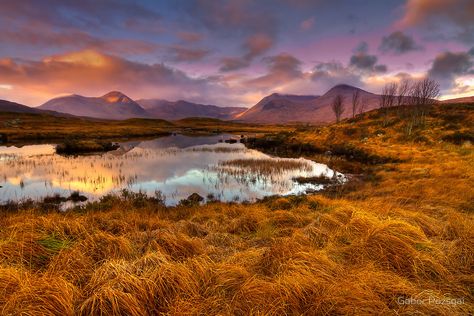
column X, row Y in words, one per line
column 459, row 137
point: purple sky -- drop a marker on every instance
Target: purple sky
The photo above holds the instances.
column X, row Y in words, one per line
column 230, row 53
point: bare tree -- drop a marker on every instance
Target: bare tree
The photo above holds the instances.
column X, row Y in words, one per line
column 387, row 99
column 423, row 94
column 363, row 104
column 338, row 107
column 355, row 101
column 403, row 90
column 388, row 95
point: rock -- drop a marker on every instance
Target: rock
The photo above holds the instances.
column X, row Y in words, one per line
column 193, row 199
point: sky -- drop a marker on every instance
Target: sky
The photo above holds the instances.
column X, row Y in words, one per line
column 230, row 52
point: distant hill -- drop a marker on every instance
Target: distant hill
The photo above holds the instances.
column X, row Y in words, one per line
column 7, row 106
column 459, row 100
column 169, row 110
column 273, row 109
column 280, row 108
column 12, row 107
column 113, row 105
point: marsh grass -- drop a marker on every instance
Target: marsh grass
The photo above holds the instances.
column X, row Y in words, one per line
column 268, row 166
column 407, row 235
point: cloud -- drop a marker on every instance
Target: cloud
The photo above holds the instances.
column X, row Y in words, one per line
column 74, row 39
column 307, row 24
column 448, row 65
column 282, row 69
column 233, row 63
column 75, row 25
column 253, row 46
column 435, row 13
column 190, row 36
column 180, row 53
column 398, row 43
column 85, row 13
column 90, row 72
column 365, row 62
column 257, row 44
column 249, row 23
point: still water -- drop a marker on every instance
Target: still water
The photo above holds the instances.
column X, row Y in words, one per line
column 177, row 166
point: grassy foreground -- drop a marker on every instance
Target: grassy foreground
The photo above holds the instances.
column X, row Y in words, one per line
column 404, row 231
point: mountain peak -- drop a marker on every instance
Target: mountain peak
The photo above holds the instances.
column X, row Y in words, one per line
column 116, row 97
column 344, row 86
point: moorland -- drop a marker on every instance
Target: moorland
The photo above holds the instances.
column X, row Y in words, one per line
column 401, row 229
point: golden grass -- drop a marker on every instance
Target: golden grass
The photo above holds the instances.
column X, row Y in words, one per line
column 406, row 234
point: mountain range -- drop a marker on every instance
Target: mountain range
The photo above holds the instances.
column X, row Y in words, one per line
column 273, row 109
column 282, row 108
column 113, row 105
column 169, row 110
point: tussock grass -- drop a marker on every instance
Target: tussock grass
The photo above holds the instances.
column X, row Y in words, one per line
column 405, row 232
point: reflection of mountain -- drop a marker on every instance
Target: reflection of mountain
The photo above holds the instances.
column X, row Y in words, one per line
column 125, row 148
column 182, row 141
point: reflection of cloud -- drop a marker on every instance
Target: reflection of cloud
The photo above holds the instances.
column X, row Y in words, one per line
column 176, row 172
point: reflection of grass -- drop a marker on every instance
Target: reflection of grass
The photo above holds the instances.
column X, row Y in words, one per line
column 216, row 149
column 84, row 146
column 410, row 234
column 268, row 166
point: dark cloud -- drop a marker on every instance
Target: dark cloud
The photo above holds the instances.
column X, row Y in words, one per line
column 446, row 66
column 365, row 62
column 329, row 74
column 471, row 51
column 380, row 68
column 282, row 69
column 398, row 43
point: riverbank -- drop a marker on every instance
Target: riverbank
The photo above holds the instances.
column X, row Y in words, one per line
column 18, row 128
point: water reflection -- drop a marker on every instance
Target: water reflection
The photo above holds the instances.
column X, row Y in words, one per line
column 176, row 165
